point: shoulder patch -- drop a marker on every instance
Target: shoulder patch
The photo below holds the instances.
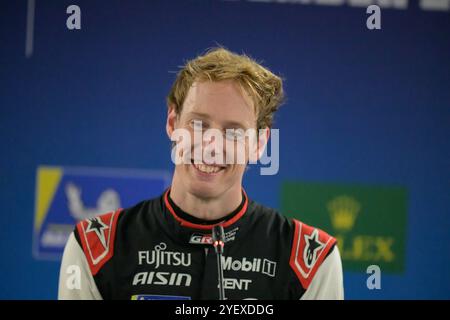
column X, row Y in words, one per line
column 309, row 248
column 97, row 239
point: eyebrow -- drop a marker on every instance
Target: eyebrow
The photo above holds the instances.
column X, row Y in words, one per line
column 199, row 114
column 228, row 124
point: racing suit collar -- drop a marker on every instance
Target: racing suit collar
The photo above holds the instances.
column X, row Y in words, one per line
column 229, row 219
column 194, row 235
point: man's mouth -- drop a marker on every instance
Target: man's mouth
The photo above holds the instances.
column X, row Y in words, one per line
column 208, row 169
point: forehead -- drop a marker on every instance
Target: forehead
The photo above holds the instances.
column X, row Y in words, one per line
column 222, row 101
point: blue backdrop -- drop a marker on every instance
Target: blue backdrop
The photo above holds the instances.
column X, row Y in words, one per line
column 363, row 106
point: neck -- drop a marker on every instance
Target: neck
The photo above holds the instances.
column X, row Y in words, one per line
column 206, row 208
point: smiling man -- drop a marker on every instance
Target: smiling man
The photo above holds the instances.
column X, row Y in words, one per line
column 161, row 248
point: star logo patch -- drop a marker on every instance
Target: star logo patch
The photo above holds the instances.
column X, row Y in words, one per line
column 96, row 225
column 312, row 249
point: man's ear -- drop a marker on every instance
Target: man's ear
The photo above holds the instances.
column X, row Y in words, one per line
column 257, row 149
column 171, row 120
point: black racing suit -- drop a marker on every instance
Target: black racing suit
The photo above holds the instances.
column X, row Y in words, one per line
column 155, row 251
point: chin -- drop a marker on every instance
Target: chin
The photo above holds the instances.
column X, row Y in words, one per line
column 203, row 190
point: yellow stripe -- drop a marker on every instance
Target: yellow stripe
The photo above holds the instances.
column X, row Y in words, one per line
column 48, row 179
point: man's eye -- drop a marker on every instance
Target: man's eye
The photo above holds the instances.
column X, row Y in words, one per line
column 196, row 125
column 234, row 135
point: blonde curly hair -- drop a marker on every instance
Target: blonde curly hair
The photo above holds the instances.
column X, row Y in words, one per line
column 264, row 87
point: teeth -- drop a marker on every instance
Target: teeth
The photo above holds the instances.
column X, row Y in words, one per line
column 207, row 169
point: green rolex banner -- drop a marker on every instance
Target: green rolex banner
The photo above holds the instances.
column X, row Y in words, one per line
column 369, row 222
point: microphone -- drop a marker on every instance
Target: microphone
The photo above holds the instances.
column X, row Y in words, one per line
column 218, row 237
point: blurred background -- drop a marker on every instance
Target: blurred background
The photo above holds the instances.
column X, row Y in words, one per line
column 364, row 134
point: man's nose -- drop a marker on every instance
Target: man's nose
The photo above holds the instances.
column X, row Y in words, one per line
column 214, row 145
column 209, row 141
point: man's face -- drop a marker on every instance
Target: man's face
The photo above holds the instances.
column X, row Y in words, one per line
column 218, row 105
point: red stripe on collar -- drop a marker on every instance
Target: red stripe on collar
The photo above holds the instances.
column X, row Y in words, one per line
column 188, row 224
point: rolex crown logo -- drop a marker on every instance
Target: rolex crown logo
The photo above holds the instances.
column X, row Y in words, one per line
column 343, row 212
